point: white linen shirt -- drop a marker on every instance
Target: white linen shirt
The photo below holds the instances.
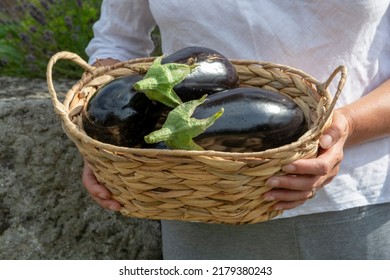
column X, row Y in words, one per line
column 312, row 35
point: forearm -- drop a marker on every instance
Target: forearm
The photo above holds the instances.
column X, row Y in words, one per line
column 369, row 117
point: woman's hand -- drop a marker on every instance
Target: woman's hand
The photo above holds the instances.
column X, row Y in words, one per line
column 365, row 119
column 97, row 191
column 306, row 176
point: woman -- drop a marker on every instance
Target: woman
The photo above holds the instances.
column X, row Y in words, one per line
column 350, row 215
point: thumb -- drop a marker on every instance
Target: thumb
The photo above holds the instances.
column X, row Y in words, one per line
column 326, row 140
column 333, row 133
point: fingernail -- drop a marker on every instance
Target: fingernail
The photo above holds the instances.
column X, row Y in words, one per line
column 289, row 168
column 103, row 196
column 278, row 208
column 272, row 182
column 326, row 141
column 113, row 208
column 268, row 197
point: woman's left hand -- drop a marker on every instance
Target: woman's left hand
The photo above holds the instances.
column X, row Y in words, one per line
column 306, row 176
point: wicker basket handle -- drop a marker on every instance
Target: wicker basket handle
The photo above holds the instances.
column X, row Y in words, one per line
column 59, row 107
column 343, row 72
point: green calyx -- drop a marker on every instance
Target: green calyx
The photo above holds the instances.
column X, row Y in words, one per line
column 179, row 128
column 160, row 79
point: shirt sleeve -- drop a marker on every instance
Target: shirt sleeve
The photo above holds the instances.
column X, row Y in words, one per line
column 122, row 32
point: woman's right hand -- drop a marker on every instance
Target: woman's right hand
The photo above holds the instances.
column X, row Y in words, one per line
column 98, row 192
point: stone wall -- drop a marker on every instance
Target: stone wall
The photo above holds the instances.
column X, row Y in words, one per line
column 45, row 213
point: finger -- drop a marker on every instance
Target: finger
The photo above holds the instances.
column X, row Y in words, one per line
column 321, row 165
column 288, row 195
column 327, row 141
column 107, row 203
column 287, row 205
column 335, row 132
column 292, row 182
column 97, row 191
column 92, row 185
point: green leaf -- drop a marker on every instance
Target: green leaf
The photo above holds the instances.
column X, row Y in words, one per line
column 160, row 80
column 179, row 128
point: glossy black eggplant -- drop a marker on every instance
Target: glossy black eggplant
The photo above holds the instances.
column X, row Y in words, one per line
column 214, row 72
column 117, row 114
column 254, row 119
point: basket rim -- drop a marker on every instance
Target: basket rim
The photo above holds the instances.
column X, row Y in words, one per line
column 94, row 72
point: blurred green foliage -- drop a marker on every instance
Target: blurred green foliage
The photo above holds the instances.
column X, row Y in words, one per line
column 32, row 31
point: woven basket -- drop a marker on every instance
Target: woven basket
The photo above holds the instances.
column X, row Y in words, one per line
column 202, row 186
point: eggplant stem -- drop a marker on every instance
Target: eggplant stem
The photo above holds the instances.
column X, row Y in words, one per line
column 159, row 135
column 160, row 80
column 179, row 128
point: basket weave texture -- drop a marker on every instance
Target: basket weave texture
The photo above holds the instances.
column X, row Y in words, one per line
column 202, row 186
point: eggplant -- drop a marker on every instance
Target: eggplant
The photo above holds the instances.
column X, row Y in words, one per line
column 254, row 119
column 119, row 115
column 159, row 145
column 213, row 72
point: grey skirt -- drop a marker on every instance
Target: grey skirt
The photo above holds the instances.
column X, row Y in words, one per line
column 357, row 233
